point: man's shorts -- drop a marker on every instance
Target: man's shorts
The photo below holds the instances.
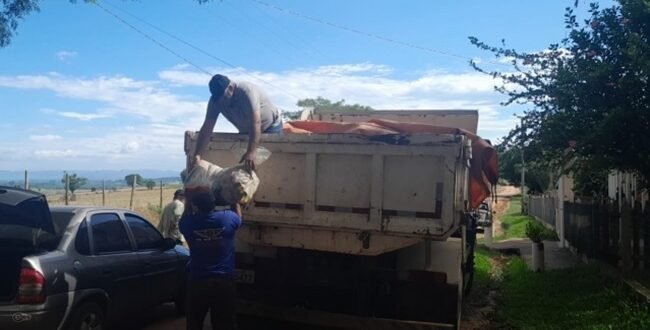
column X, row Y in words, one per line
column 275, row 128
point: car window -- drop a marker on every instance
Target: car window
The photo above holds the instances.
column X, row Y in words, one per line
column 81, row 242
column 109, row 235
column 145, row 235
column 61, row 221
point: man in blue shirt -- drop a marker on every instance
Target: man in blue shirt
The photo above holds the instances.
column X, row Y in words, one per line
column 211, row 286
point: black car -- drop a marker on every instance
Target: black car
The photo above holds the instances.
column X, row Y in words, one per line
column 73, row 267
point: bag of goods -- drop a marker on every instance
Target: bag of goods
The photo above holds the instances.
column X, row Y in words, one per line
column 229, row 185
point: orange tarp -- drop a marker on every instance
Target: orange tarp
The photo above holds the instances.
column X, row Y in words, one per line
column 483, row 171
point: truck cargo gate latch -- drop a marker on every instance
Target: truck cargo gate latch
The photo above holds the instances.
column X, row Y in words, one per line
column 364, row 237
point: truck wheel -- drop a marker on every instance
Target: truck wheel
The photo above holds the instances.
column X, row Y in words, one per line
column 88, row 316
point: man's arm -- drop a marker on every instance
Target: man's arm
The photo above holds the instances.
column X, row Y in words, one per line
column 206, row 129
column 255, row 131
column 237, row 209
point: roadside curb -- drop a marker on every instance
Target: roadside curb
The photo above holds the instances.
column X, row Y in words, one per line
column 612, row 271
column 638, row 287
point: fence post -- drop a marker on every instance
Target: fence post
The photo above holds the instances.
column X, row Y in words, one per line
column 26, row 180
column 646, row 237
column 135, row 179
column 626, row 237
column 161, row 194
column 559, row 212
column 67, row 185
column 636, row 236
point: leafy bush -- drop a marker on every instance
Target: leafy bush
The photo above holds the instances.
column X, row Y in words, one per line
column 537, row 233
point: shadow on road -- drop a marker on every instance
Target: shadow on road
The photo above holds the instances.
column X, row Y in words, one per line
column 164, row 317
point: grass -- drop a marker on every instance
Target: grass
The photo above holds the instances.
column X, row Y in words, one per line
column 145, row 202
column 574, row 298
column 483, row 269
column 513, row 221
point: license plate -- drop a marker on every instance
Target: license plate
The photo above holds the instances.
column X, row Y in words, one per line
column 244, row 276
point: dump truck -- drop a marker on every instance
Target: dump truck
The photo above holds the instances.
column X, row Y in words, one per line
column 353, row 231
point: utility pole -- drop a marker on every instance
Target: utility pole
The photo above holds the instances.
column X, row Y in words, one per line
column 161, row 194
column 135, row 179
column 67, row 186
column 103, row 192
column 523, row 169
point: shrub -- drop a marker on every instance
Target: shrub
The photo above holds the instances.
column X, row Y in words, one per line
column 537, row 233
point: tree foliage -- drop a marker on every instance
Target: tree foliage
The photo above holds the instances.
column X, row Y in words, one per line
column 74, row 182
column 139, row 180
column 588, row 93
column 538, row 178
column 150, row 184
column 325, row 105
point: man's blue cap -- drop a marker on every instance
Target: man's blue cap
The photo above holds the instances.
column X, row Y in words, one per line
column 218, row 85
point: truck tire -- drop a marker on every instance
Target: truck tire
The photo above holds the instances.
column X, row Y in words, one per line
column 88, row 316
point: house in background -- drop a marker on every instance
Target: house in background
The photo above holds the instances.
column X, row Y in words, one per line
column 628, row 185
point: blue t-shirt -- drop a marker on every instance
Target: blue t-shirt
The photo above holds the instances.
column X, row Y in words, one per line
column 211, row 238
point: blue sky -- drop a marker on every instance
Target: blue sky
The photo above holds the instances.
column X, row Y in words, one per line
column 80, row 89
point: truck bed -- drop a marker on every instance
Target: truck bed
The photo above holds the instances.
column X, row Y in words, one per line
column 351, row 193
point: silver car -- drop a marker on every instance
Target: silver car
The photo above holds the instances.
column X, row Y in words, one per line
column 72, row 267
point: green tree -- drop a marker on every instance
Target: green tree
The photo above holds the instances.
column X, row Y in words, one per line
column 537, row 174
column 587, row 94
column 74, row 182
column 139, row 180
column 150, row 184
column 323, row 104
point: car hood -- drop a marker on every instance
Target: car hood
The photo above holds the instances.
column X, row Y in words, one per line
column 25, row 208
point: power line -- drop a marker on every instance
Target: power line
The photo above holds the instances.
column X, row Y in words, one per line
column 365, row 34
column 185, row 43
column 150, row 38
column 261, row 42
column 302, row 44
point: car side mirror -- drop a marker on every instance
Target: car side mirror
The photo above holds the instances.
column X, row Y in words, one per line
column 167, row 244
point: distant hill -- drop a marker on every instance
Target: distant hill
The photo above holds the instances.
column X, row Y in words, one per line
column 91, row 175
column 111, row 178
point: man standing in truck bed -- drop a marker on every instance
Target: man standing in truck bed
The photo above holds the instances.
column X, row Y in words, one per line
column 247, row 107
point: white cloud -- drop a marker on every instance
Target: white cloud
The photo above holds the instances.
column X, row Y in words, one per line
column 158, row 116
column 45, row 138
column 65, row 55
column 83, row 116
column 55, row 154
column 130, row 147
column 123, row 95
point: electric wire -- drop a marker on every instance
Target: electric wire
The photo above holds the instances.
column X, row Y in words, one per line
column 160, row 44
column 365, row 34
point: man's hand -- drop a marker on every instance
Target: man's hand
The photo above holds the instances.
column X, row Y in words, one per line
column 193, row 161
column 249, row 160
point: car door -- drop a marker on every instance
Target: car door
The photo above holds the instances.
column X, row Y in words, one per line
column 116, row 262
column 158, row 266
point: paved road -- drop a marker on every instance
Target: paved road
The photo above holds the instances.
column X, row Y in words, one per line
column 164, row 317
